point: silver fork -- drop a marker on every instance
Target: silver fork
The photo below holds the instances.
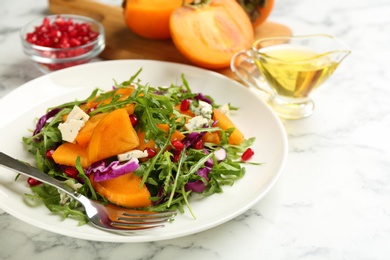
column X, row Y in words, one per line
column 108, row 217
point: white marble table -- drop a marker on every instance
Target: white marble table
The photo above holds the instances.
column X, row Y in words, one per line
column 333, row 199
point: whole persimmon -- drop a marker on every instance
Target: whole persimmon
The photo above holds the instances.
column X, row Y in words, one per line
column 209, row 32
column 257, row 10
column 149, row 18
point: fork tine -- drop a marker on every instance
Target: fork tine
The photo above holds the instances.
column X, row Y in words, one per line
column 135, row 226
column 140, row 218
column 150, row 215
column 138, row 213
column 124, row 215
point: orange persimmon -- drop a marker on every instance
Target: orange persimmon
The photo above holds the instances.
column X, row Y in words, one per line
column 150, row 18
column 175, row 136
column 124, row 190
column 258, row 11
column 123, row 92
column 142, row 142
column 208, row 35
column 67, row 153
column 212, row 137
column 85, row 133
column 130, row 108
column 113, row 135
column 224, row 122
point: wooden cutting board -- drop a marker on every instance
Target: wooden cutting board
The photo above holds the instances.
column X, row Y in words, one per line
column 121, row 43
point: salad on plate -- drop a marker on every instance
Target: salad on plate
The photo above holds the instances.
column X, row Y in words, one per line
column 137, row 146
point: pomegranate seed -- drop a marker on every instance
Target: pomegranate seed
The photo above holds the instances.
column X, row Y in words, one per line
column 74, row 42
column 179, row 146
column 61, row 55
column 176, row 156
column 92, row 35
column 85, row 39
column 49, row 154
column 247, row 154
column 151, row 152
column 133, row 119
column 59, row 21
column 33, row 182
column 64, row 42
column 45, row 42
column 91, row 109
column 83, row 30
column 76, row 52
column 46, row 22
column 199, row 144
column 71, row 172
column 72, row 32
column 185, row 105
column 55, row 34
column 31, row 38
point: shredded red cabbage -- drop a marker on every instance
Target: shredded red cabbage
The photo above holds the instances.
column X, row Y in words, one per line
column 204, row 172
column 192, row 138
column 199, row 185
column 202, row 97
column 159, row 195
column 42, row 121
column 113, row 170
column 195, row 186
column 209, row 163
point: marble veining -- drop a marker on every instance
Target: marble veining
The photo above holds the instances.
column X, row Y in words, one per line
column 332, row 201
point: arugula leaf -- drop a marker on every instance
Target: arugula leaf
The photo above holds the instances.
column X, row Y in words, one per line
column 51, row 198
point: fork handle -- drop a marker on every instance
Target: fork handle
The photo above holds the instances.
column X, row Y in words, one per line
column 25, row 169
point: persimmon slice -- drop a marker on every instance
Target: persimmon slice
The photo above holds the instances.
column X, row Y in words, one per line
column 237, row 137
column 209, row 35
column 67, row 153
column 85, row 134
column 113, row 135
column 175, row 136
column 124, row 190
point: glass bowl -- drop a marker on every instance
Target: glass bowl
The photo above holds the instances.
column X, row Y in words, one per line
column 50, row 59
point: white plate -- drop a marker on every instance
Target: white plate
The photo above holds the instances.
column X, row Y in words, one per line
column 19, row 109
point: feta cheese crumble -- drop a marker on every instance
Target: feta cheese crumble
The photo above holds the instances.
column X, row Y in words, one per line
column 204, row 109
column 196, row 122
column 132, row 154
column 74, row 122
column 225, row 109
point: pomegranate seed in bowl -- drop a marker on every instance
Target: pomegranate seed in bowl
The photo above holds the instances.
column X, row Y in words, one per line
column 60, row 41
